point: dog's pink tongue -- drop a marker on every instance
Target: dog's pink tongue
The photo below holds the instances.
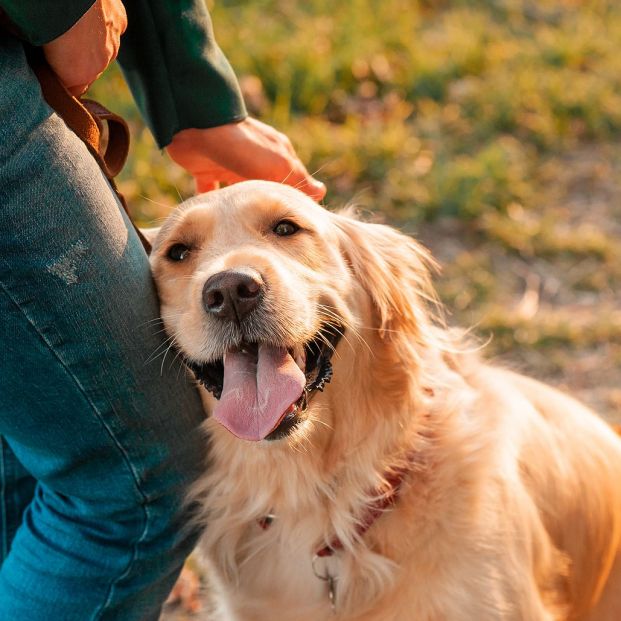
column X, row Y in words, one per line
column 256, row 393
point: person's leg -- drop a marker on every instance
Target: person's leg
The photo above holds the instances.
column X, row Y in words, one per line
column 16, row 491
column 112, row 438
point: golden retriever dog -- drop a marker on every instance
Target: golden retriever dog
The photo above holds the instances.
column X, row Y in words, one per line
column 365, row 464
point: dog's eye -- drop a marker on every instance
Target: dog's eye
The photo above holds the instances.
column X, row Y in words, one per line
column 178, row 252
column 285, row 228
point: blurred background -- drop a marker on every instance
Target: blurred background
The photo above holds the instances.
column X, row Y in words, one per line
column 488, row 129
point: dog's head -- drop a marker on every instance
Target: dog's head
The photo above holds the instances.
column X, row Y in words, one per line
column 259, row 286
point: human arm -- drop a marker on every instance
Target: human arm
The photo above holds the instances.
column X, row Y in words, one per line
column 190, row 98
column 79, row 38
column 181, row 81
column 41, row 21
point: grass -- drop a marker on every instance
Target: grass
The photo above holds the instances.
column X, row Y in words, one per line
column 489, row 129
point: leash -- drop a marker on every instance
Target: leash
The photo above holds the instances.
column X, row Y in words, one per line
column 105, row 134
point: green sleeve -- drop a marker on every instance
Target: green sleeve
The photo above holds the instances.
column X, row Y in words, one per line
column 178, row 75
column 40, row 21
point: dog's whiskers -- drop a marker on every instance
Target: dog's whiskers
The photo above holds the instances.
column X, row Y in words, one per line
column 150, row 200
column 178, row 192
column 318, row 170
column 298, row 448
column 349, row 328
column 180, row 367
column 303, row 182
column 155, row 353
column 323, row 422
column 173, row 343
column 287, row 176
column 152, row 323
column 154, row 320
column 331, row 313
column 164, row 329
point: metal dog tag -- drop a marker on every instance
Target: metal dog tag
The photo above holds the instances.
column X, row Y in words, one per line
column 329, row 579
column 332, row 592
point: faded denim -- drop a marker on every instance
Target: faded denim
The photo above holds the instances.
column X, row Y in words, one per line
column 98, row 444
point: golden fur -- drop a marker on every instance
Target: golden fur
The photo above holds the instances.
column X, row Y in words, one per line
column 513, row 508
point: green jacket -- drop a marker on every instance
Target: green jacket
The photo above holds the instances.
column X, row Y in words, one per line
column 178, row 75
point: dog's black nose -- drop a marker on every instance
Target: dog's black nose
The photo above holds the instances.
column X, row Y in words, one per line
column 233, row 294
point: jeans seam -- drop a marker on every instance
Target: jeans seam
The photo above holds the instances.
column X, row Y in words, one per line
column 97, row 614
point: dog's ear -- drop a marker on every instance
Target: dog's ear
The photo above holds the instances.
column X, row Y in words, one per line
column 394, row 270
column 150, row 235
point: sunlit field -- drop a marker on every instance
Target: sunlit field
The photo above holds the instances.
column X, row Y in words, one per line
column 490, row 130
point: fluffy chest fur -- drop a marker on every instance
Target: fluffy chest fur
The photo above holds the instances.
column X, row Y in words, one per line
column 512, row 509
column 443, row 549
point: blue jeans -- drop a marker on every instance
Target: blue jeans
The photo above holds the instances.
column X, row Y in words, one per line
column 99, row 436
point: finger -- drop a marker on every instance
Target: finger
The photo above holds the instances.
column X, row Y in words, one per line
column 313, row 188
column 205, row 184
column 301, row 180
column 211, row 178
column 284, row 140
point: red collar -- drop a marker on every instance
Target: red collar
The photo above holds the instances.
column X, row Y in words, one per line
column 384, row 499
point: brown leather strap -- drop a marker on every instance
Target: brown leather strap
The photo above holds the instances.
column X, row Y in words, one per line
column 114, row 152
column 89, row 121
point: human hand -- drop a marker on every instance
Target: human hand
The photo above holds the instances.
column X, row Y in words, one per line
column 80, row 55
column 239, row 151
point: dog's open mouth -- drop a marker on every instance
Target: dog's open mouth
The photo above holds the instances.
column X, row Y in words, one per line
column 262, row 388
